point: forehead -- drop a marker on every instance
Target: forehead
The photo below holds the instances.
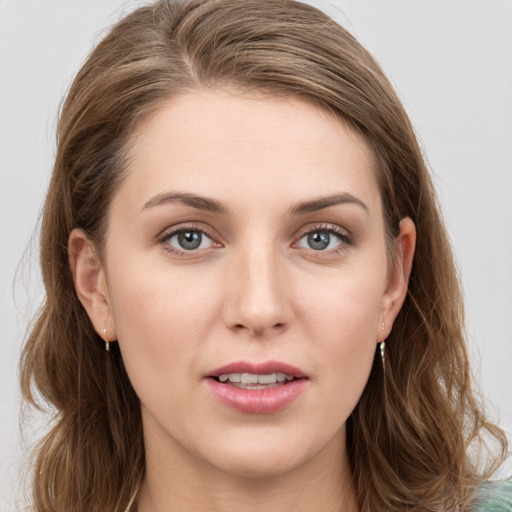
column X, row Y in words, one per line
column 217, row 142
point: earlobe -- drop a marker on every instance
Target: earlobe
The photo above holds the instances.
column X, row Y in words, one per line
column 398, row 279
column 90, row 282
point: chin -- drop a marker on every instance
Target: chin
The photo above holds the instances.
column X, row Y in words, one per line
column 268, row 455
column 260, row 466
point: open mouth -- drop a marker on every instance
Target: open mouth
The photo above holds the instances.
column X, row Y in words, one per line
column 255, row 381
column 257, row 388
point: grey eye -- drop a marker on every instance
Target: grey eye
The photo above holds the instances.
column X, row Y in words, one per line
column 319, row 240
column 189, row 240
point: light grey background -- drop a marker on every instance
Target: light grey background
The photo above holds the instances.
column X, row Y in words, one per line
column 451, row 61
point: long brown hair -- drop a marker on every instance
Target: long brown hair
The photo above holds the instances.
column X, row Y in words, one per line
column 409, row 436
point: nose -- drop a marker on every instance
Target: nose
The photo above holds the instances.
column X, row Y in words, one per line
column 257, row 301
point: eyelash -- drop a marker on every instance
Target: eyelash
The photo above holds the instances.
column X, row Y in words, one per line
column 167, row 235
column 343, row 236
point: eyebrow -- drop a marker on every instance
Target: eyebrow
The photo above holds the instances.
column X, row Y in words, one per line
column 187, row 199
column 214, row 206
column 315, row 205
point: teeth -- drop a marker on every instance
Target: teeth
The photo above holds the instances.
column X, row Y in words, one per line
column 256, row 386
column 267, row 379
column 251, row 378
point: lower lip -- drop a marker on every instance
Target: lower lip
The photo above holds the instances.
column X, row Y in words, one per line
column 257, row 401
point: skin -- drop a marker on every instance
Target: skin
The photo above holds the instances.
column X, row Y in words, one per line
column 255, row 290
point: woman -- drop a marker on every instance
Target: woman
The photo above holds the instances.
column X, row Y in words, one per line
column 244, row 310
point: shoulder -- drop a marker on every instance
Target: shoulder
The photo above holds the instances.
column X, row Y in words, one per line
column 495, row 497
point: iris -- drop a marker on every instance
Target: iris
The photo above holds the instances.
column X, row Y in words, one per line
column 189, row 240
column 319, row 240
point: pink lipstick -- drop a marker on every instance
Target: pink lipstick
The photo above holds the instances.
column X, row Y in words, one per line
column 257, row 388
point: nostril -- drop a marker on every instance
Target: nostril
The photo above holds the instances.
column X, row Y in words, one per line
column 259, row 331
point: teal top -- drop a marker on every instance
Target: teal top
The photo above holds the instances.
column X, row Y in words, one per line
column 495, row 497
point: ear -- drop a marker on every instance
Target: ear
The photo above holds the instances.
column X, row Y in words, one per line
column 90, row 283
column 398, row 278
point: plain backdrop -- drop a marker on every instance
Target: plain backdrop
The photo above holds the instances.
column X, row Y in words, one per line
column 451, row 62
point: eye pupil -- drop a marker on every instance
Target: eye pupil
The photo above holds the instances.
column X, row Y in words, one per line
column 319, row 240
column 189, row 240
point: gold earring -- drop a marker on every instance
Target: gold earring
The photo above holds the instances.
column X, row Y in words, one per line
column 107, row 343
column 383, row 354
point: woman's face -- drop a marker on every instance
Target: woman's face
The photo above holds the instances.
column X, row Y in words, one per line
column 247, row 239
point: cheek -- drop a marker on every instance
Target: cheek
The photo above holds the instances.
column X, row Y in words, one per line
column 343, row 320
column 346, row 305
column 346, row 336
column 162, row 317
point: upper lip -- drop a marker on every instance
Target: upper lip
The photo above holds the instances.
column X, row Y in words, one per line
column 263, row 368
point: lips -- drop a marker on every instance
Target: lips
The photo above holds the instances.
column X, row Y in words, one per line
column 257, row 388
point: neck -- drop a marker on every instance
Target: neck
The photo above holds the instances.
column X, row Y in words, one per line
column 323, row 482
